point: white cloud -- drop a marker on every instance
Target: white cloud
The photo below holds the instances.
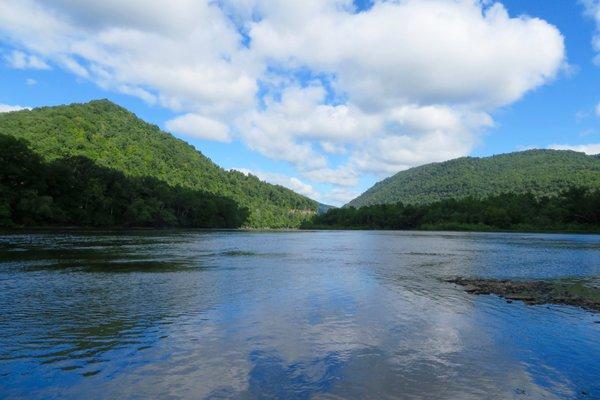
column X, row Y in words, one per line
column 301, row 187
column 9, row 108
column 591, row 148
column 293, row 183
column 421, row 135
column 285, row 128
column 137, row 92
column 30, row 82
column 301, row 113
column 309, row 82
column 423, row 51
column 197, row 126
column 592, row 10
column 335, row 196
column 19, row 60
column 282, row 147
column 332, row 148
column 341, row 176
column 187, row 52
column 339, row 196
column 597, row 109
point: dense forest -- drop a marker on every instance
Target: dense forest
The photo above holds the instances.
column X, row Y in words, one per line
column 576, row 209
column 113, row 140
column 75, row 191
column 539, row 172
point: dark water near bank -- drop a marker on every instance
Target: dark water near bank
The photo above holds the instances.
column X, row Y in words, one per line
column 290, row 315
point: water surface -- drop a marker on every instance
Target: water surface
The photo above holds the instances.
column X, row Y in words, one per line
column 290, row 315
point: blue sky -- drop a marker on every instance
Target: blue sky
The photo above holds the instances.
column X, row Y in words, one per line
column 562, row 111
column 325, row 97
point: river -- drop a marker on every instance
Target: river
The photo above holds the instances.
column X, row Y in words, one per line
column 290, row 315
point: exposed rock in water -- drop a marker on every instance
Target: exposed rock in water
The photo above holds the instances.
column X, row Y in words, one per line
column 536, row 292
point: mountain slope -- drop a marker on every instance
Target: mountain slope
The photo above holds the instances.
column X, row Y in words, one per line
column 115, row 138
column 541, row 172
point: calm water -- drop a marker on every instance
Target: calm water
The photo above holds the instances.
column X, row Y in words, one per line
column 290, row 315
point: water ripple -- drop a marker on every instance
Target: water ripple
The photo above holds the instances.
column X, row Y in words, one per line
column 293, row 315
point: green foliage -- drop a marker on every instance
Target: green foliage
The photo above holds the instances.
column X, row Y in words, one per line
column 540, row 172
column 573, row 209
column 76, row 191
column 114, row 138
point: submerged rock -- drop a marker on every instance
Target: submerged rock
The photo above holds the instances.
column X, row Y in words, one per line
column 536, row 292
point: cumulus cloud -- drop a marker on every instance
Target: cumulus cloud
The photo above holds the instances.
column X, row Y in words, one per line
column 334, row 92
column 286, row 128
column 301, row 112
column 293, row 183
column 342, row 176
column 591, row 148
column 9, row 108
column 424, row 51
column 339, row 196
column 186, row 52
column 199, row 127
column 419, row 135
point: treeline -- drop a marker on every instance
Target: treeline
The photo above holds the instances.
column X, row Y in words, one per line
column 115, row 138
column 574, row 209
column 540, row 172
column 74, row 191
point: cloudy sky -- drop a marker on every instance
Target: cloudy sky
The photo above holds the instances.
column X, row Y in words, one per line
column 323, row 96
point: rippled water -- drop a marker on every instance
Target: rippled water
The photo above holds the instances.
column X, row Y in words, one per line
column 290, row 315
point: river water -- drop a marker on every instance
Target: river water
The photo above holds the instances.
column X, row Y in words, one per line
column 290, row 315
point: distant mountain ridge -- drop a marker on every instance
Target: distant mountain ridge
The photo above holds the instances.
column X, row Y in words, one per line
column 541, row 172
column 115, row 138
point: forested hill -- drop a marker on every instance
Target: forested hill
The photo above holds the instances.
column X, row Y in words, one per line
column 112, row 137
column 539, row 172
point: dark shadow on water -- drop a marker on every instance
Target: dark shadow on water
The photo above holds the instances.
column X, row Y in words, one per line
column 139, row 266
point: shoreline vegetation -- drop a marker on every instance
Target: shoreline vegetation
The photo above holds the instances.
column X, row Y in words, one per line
column 75, row 193
column 576, row 209
column 562, row 292
column 162, row 180
column 96, row 165
column 93, row 229
column 541, row 172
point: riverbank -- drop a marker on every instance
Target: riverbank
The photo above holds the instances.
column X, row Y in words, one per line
column 429, row 228
column 572, row 210
column 575, row 229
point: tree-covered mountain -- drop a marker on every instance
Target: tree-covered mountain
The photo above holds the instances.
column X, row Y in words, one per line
column 575, row 209
column 74, row 191
column 540, row 172
column 113, row 138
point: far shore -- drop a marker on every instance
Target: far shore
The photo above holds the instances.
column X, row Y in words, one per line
column 71, row 228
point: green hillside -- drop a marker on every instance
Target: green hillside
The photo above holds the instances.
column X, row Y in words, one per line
column 114, row 138
column 540, row 172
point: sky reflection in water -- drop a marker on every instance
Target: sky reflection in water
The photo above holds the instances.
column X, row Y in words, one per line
column 290, row 315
